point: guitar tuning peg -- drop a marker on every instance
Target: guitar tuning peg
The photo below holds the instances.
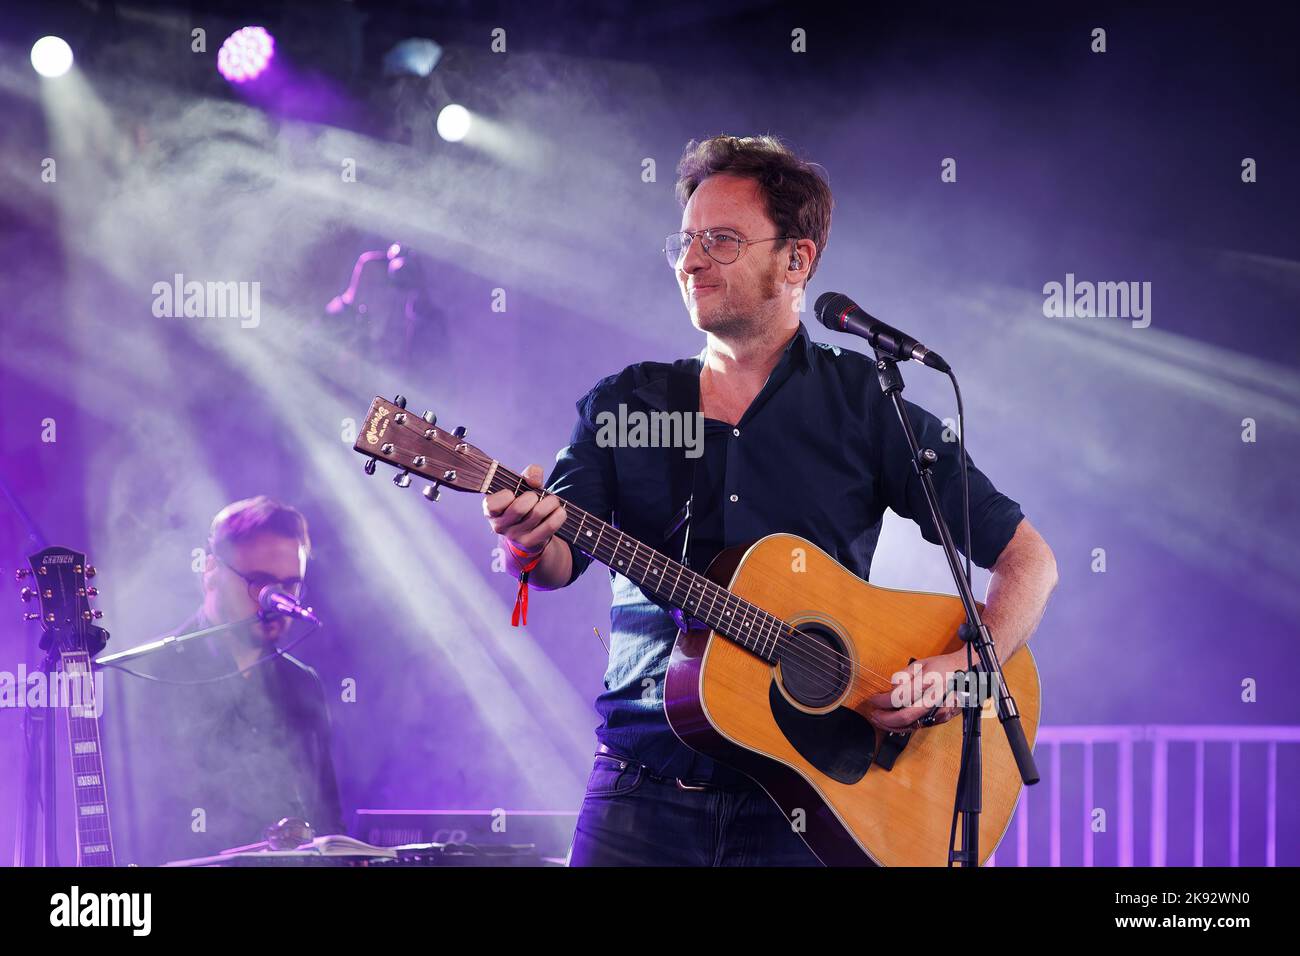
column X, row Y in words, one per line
column 460, row 431
column 430, row 418
column 31, row 615
column 402, row 480
column 21, row 573
column 399, row 401
column 370, row 466
column 26, row 594
column 92, row 592
column 97, row 614
column 431, row 492
column 90, row 571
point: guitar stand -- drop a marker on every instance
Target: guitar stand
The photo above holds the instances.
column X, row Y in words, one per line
column 39, row 783
column 975, row 634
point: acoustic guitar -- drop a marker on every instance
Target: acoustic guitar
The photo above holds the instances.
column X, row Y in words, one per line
column 772, row 674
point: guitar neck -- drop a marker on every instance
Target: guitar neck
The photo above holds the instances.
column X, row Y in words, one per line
column 90, row 794
column 675, row 584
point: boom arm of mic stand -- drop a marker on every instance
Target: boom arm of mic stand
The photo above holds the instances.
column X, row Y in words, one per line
column 140, row 650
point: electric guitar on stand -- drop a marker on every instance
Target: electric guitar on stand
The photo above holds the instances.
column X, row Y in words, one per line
column 59, row 580
column 773, row 672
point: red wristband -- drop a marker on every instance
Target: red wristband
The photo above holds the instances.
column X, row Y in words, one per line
column 520, row 613
column 524, row 555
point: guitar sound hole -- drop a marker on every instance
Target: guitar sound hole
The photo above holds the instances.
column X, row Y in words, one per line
column 815, row 668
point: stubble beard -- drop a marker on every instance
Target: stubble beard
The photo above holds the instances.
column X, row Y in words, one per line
column 729, row 322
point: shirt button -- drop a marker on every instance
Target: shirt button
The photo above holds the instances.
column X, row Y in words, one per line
column 734, row 498
column 736, row 432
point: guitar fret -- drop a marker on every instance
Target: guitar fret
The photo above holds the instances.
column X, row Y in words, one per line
column 94, row 836
column 579, row 533
column 712, row 595
column 622, row 540
column 674, row 583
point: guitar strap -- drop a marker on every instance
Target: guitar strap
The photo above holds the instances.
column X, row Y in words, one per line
column 683, row 399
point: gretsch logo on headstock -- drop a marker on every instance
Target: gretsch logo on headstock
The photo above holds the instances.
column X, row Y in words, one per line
column 378, row 425
column 57, row 559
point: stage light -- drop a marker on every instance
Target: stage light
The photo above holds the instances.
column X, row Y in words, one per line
column 453, row 123
column 51, row 56
column 245, row 54
column 413, row 57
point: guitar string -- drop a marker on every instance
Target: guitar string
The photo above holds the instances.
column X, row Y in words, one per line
column 781, row 633
column 813, row 653
column 99, row 832
column 798, row 652
column 803, row 663
column 95, row 831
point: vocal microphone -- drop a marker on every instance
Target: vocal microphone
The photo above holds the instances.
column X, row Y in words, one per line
column 839, row 313
column 279, row 602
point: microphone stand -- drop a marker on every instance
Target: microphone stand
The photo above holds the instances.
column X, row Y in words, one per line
column 974, row 632
column 140, row 650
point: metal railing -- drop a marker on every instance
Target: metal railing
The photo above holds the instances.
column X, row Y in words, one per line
column 1111, row 764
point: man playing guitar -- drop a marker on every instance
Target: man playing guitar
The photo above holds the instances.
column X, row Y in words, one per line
column 797, row 438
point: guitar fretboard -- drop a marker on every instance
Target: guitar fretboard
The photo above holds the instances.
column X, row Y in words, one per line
column 671, row 582
column 94, row 835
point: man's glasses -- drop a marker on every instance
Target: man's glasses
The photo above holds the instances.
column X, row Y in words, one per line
column 260, row 579
column 722, row 245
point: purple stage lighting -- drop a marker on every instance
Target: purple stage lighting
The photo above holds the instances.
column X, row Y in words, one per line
column 245, row 54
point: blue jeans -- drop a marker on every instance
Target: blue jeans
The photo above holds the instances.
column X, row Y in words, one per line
column 631, row 817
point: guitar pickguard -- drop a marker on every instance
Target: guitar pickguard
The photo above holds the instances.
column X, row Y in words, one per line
column 840, row 743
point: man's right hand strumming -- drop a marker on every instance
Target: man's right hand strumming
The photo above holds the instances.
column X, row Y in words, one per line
column 528, row 523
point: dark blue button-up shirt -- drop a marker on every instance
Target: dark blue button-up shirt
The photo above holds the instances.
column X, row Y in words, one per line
column 820, row 453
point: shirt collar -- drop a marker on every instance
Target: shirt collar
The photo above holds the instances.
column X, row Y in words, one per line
column 799, row 349
column 801, row 345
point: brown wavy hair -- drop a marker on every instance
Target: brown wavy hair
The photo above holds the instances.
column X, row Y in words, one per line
column 242, row 520
column 797, row 194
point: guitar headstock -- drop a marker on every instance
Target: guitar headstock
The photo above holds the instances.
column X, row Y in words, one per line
column 415, row 445
column 59, row 579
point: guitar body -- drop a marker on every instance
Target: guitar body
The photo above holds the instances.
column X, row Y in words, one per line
column 809, row 745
